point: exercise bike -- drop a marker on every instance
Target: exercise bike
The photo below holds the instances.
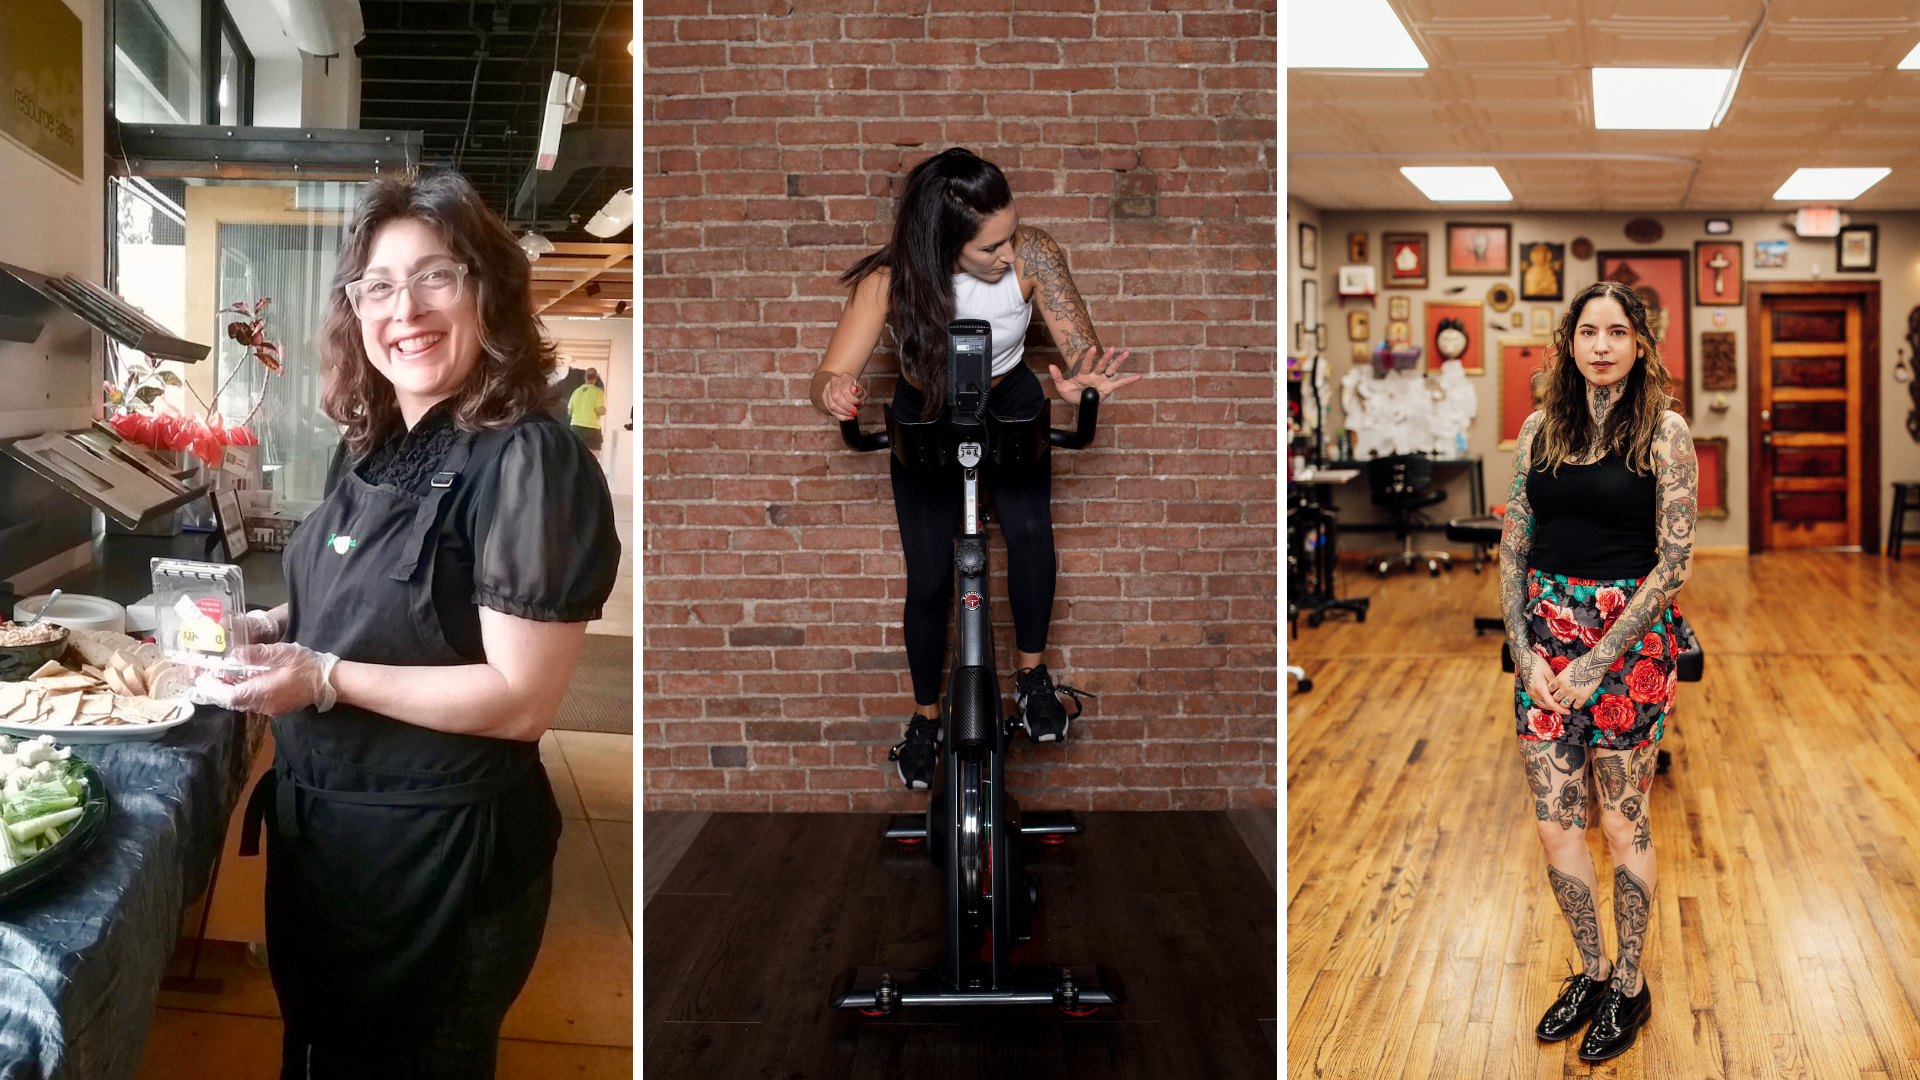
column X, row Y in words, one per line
column 972, row 828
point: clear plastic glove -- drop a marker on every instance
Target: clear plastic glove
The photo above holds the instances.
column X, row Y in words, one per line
column 296, row 677
column 261, row 628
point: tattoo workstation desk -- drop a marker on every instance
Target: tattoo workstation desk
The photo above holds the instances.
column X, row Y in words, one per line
column 1312, row 541
column 82, row 953
column 1476, row 495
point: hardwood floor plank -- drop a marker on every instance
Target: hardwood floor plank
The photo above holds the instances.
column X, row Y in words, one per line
column 1423, row 940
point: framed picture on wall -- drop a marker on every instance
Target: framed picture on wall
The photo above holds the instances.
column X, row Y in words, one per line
column 1660, row 280
column 1543, row 271
column 1858, row 248
column 1309, row 247
column 1520, row 359
column 1405, row 255
column 1711, row 453
column 1718, row 272
column 1480, row 248
column 1456, row 330
column 1309, row 304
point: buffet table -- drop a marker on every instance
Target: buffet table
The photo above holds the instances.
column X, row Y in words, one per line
column 82, row 954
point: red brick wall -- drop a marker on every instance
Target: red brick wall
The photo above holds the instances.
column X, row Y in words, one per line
column 1141, row 134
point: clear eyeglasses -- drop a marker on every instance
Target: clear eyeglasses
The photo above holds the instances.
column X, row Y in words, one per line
column 433, row 289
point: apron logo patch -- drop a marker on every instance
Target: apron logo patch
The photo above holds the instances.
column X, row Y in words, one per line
column 341, row 543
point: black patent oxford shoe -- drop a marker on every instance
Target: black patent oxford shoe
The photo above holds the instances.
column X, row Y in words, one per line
column 1616, row 1022
column 1579, row 996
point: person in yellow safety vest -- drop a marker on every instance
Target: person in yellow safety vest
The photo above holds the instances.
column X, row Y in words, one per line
column 585, row 408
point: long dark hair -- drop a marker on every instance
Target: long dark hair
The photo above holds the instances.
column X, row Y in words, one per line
column 516, row 358
column 1566, row 428
column 942, row 205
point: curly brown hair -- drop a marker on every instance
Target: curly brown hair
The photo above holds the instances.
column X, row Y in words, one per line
column 516, row 357
column 1566, row 421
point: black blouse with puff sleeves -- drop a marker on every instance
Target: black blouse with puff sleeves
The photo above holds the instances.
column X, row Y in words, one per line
column 530, row 529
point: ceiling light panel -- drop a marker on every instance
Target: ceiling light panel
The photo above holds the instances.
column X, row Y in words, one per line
column 1349, row 34
column 1459, row 183
column 1657, row 99
column 1828, row 185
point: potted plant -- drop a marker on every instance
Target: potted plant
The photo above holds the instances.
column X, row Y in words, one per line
column 139, row 412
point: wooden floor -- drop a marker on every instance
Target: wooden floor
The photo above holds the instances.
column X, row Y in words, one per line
column 743, row 940
column 1423, row 940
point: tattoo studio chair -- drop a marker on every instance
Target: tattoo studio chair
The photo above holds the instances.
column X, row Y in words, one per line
column 1402, row 485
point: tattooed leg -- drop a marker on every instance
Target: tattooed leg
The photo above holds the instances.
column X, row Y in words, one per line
column 1626, row 822
column 1557, row 782
column 1632, row 902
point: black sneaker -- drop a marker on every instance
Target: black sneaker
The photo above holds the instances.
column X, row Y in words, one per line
column 1039, row 703
column 918, row 752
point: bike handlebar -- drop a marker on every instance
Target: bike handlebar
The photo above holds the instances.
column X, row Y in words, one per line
column 1078, row 438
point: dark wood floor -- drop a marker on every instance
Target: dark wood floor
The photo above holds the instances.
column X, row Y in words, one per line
column 744, row 938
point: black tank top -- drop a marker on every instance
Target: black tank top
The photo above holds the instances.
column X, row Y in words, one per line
column 1593, row 521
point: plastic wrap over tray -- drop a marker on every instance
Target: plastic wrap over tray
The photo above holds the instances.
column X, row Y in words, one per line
column 81, row 955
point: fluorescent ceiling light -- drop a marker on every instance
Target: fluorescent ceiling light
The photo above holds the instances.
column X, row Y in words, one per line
column 1459, row 183
column 1912, row 62
column 1828, row 185
column 1657, row 99
column 1348, row 34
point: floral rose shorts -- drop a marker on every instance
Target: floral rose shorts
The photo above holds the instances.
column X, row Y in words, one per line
column 1567, row 617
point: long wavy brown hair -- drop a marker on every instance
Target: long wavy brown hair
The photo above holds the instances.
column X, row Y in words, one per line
column 943, row 203
column 516, row 358
column 1566, row 427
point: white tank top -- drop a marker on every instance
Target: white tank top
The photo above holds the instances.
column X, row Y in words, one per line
column 1000, row 304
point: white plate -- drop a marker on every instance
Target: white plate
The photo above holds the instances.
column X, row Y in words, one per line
column 104, row 733
column 76, row 611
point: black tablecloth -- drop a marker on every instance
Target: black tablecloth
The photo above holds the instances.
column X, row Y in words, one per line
column 82, row 954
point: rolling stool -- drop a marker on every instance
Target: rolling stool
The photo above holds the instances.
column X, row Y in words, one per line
column 1906, row 497
column 1484, row 531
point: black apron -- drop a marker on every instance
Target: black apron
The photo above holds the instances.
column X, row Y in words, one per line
column 384, row 836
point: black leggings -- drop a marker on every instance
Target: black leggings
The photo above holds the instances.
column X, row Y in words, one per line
column 928, row 506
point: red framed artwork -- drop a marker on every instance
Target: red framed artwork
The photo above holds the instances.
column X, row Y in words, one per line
column 1660, row 278
column 1405, row 255
column 1519, row 359
column 1717, row 272
column 1461, row 317
column 1711, row 455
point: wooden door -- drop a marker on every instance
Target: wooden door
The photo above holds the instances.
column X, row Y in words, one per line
column 1812, row 482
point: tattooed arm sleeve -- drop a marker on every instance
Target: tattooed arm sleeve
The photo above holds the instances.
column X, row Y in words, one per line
column 1678, row 475
column 1059, row 302
column 1516, row 545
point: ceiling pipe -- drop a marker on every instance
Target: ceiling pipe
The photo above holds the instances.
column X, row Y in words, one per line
column 1726, row 99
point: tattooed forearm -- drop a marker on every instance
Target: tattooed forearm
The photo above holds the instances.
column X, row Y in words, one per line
column 1516, row 546
column 1632, row 900
column 1677, row 472
column 1067, row 313
column 1576, row 903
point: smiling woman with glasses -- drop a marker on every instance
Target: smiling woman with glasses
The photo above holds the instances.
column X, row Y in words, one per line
column 439, row 600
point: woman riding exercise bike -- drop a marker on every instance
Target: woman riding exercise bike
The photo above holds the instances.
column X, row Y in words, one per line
column 959, row 251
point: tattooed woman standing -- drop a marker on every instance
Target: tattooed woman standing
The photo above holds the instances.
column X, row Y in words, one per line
column 959, row 251
column 1598, row 540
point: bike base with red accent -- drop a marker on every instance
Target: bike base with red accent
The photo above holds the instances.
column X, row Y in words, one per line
column 1092, row 985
